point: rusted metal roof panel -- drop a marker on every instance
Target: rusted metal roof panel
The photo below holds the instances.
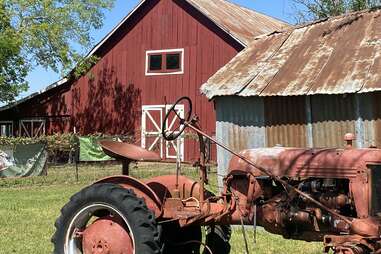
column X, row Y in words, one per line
column 242, row 23
column 373, row 81
column 33, row 95
column 274, row 65
column 249, row 63
column 336, row 56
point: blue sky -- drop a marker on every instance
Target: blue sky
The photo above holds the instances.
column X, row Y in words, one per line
column 40, row 78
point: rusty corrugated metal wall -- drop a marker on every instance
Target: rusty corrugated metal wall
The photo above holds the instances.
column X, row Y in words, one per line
column 297, row 121
column 332, row 117
column 284, row 124
column 240, row 124
column 368, row 124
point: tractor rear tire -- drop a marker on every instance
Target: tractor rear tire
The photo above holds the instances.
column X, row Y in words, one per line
column 217, row 239
column 138, row 221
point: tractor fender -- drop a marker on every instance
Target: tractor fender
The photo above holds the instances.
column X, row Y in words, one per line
column 141, row 190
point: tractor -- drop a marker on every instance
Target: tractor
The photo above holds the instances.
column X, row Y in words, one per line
column 327, row 195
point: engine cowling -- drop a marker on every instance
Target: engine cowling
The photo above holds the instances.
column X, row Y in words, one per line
column 338, row 178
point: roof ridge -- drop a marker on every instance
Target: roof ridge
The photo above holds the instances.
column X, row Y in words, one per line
column 314, row 22
column 331, row 18
column 256, row 11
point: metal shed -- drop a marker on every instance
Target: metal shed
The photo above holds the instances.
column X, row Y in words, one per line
column 305, row 87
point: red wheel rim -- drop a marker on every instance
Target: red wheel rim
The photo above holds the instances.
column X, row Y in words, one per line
column 107, row 235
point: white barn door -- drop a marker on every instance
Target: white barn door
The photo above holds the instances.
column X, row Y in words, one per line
column 32, row 128
column 151, row 138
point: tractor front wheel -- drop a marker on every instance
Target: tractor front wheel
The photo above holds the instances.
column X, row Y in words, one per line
column 106, row 219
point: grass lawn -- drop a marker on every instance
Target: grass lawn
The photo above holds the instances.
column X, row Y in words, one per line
column 30, row 206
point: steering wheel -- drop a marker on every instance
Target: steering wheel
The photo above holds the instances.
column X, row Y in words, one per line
column 176, row 132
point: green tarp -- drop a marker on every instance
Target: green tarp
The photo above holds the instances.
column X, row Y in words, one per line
column 90, row 150
column 23, row 160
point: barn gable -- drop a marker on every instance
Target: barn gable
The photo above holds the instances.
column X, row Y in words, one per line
column 241, row 24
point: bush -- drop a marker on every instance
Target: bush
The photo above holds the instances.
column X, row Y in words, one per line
column 56, row 142
column 61, row 147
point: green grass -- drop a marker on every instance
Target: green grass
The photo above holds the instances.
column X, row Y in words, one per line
column 30, row 206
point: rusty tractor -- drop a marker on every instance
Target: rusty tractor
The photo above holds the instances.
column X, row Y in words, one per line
column 327, row 195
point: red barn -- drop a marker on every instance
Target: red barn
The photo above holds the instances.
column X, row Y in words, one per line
column 160, row 51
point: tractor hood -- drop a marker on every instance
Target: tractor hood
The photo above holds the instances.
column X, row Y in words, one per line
column 301, row 162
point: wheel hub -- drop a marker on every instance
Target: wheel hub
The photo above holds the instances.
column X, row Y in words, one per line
column 107, row 236
column 348, row 250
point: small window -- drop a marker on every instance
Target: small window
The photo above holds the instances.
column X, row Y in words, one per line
column 6, row 129
column 165, row 62
column 155, row 62
column 173, row 61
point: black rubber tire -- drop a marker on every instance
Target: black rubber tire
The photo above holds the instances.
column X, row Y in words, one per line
column 181, row 240
column 140, row 218
column 217, row 239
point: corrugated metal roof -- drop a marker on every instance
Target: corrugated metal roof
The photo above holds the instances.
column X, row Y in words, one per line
column 336, row 56
column 241, row 23
column 46, row 89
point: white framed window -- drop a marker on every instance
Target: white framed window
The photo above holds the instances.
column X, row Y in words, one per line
column 164, row 62
column 6, row 128
column 32, row 128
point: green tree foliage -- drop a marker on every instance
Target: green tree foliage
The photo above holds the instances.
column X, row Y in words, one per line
column 320, row 9
column 49, row 33
column 13, row 67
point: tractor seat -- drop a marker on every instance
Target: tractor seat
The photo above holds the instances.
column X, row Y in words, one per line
column 123, row 151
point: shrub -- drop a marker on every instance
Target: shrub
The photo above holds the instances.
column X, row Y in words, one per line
column 60, row 147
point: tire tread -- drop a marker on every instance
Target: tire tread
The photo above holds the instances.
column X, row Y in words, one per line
column 140, row 218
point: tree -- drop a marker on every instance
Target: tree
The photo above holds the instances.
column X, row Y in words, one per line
column 320, row 9
column 13, row 67
column 50, row 33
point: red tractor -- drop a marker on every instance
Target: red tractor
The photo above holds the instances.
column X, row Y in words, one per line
column 328, row 195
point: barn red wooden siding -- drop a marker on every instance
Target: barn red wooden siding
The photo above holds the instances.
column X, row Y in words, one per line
column 109, row 98
column 53, row 106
